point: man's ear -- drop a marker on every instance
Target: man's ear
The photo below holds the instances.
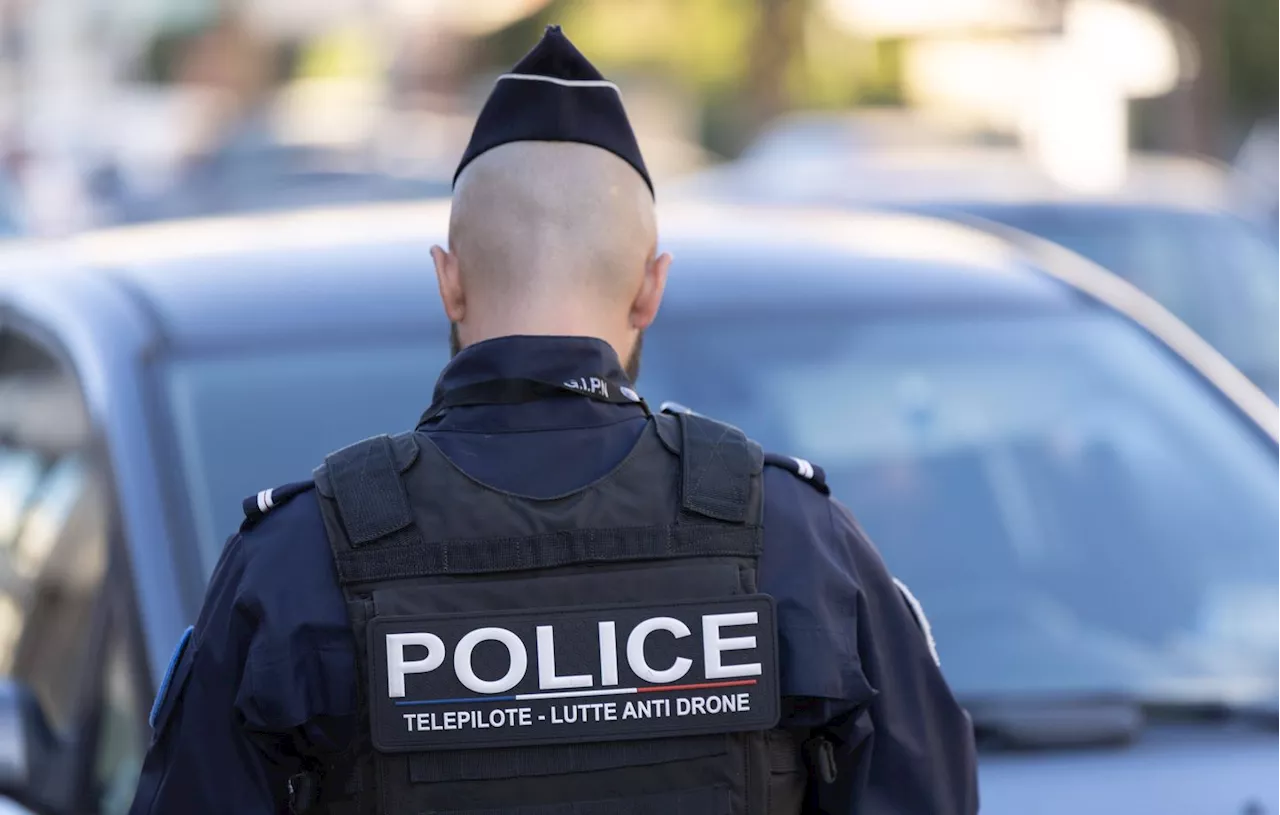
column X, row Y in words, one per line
column 451, row 294
column 645, row 307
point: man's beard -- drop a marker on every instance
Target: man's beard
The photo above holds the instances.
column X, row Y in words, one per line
column 455, row 344
column 631, row 369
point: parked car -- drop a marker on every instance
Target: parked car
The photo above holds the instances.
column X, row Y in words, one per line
column 10, row 221
column 1080, row 491
column 1169, row 230
column 253, row 172
column 815, row 137
column 1214, row 271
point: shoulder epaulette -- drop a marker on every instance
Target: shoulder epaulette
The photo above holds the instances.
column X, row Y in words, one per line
column 917, row 612
column 257, row 506
column 805, row 470
column 675, row 407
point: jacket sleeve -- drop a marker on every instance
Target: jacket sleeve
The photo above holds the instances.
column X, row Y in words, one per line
column 201, row 760
column 910, row 749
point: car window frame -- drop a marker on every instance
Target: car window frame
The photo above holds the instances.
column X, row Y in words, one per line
column 121, row 627
column 77, row 762
column 1225, row 300
column 1023, row 215
column 178, row 518
column 1240, row 394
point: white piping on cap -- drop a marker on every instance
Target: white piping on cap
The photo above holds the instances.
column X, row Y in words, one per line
column 567, row 83
column 265, row 501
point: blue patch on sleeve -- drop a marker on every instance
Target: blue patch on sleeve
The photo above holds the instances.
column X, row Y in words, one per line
column 168, row 674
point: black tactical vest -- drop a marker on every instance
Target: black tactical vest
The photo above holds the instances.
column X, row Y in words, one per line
column 604, row 652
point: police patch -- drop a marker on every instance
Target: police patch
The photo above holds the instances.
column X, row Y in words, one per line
column 590, row 673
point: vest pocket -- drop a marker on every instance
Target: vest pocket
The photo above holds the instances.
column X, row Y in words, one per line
column 700, row 801
column 788, row 776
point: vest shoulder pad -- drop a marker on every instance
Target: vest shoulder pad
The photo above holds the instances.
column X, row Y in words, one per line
column 257, row 506
column 804, row 470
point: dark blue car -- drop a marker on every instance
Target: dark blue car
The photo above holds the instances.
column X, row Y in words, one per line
column 1213, row 270
column 1082, row 495
column 1167, row 228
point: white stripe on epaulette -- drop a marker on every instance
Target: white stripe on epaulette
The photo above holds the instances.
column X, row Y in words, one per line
column 918, row 612
column 675, row 407
column 265, row 501
column 568, row 83
column 806, row 469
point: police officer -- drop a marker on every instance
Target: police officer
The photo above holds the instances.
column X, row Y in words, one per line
column 546, row 599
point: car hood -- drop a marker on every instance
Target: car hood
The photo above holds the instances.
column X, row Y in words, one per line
column 1169, row 770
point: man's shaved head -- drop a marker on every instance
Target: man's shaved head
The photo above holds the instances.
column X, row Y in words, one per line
column 538, row 220
column 551, row 238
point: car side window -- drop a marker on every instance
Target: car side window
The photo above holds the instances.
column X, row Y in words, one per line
column 1243, row 295
column 1154, row 251
column 121, row 744
column 53, row 529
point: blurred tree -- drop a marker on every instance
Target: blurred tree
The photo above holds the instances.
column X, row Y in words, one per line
column 1250, row 32
column 232, row 56
column 747, row 60
column 776, row 44
column 1236, row 84
column 347, row 52
column 703, row 47
column 1191, row 118
column 160, row 57
column 707, row 44
column 1193, row 112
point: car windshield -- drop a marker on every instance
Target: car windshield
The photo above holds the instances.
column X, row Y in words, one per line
column 1214, row 272
column 1076, row 512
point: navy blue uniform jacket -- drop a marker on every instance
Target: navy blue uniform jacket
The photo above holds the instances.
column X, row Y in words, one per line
column 269, row 674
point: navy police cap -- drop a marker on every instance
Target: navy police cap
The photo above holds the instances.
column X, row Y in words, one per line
column 555, row 94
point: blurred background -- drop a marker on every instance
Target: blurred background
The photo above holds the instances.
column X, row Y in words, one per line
column 127, row 110
column 1025, row 251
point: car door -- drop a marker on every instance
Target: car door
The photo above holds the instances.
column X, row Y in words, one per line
column 121, row 736
column 63, row 636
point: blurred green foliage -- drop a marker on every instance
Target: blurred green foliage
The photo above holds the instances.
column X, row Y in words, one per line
column 344, row 53
column 160, row 58
column 1249, row 34
column 707, row 48
column 704, row 43
column 734, row 57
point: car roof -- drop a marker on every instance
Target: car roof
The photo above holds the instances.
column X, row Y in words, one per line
column 835, row 133
column 1080, row 211
column 334, row 277
column 969, row 174
column 309, row 276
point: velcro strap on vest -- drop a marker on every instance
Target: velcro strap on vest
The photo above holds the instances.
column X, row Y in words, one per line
column 558, row 759
column 697, row 801
column 718, row 466
column 371, row 498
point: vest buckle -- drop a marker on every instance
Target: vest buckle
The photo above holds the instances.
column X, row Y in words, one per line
column 303, row 793
column 820, row 758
